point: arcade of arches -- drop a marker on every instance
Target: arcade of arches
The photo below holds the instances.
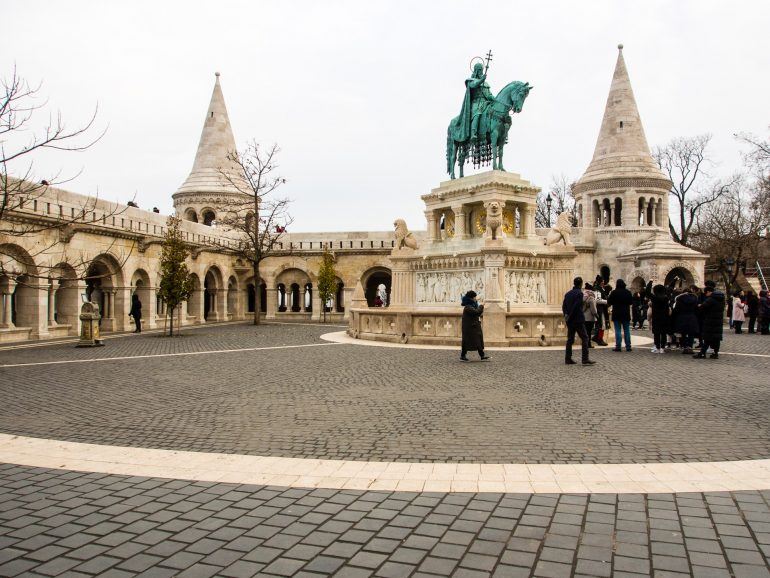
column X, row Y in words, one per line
column 40, row 302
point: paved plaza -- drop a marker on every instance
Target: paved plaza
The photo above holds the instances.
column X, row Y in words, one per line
column 283, row 393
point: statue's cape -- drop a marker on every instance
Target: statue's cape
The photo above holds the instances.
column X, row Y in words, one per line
column 463, row 128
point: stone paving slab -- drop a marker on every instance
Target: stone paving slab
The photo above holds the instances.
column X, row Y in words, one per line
column 67, row 523
column 354, row 403
column 388, row 476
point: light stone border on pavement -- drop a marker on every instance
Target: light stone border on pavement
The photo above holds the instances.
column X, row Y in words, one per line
column 343, row 337
column 388, row 476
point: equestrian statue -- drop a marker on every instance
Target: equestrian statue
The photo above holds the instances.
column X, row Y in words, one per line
column 481, row 129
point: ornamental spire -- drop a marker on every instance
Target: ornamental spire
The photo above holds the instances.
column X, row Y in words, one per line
column 621, row 149
column 215, row 144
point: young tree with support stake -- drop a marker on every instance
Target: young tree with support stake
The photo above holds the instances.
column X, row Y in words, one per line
column 261, row 218
column 176, row 281
column 327, row 279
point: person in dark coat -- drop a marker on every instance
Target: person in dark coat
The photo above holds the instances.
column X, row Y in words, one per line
column 686, row 321
column 752, row 310
column 659, row 316
column 136, row 312
column 473, row 337
column 572, row 307
column 621, row 300
column 713, row 309
column 764, row 313
column 602, row 314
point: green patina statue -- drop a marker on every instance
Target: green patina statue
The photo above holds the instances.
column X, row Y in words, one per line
column 481, row 129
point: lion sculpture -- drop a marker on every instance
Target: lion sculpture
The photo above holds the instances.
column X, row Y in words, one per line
column 403, row 237
column 561, row 230
column 494, row 219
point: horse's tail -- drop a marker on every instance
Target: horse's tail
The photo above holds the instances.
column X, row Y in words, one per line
column 449, row 144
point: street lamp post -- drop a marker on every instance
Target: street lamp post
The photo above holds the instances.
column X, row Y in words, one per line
column 548, row 205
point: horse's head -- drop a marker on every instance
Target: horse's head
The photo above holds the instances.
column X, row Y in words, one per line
column 519, row 94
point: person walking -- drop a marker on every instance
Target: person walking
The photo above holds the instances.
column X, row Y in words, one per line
column 572, row 307
column 764, row 313
column 136, row 312
column 473, row 336
column 621, row 300
column 590, row 311
column 752, row 310
column 659, row 317
column 739, row 312
column 713, row 309
column 686, row 320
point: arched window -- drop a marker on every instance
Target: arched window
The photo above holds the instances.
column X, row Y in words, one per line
column 191, row 215
column 208, row 218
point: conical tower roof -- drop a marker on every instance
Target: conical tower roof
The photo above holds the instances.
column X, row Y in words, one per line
column 215, row 144
column 621, row 149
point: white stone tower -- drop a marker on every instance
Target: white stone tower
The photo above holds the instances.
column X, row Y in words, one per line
column 206, row 191
column 622, row 198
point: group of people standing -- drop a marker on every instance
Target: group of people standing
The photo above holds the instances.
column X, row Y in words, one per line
column 747, row 306
column 677, row 316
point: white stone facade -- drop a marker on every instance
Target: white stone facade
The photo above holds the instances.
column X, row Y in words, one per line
column 110, row 251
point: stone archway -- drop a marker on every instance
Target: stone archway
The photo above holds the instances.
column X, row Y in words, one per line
column 194, row 305
column 680, row 275
column 233, row 311
column 21, row 292
column 104, row 286
column 141, row 286
column 66, row 298
column 295, row 291
column 373, row 281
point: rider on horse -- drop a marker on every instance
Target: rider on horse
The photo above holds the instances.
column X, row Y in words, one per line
column 478, row 96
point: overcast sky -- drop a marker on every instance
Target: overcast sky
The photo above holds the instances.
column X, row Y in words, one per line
column 358, row 94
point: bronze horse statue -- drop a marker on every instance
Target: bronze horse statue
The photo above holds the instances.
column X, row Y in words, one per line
column 494, row 124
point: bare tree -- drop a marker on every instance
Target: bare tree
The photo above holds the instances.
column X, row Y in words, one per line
column 560, row 192
column 732, row 229
column 21, row 188
column 685, row 160
column 759, row 152
column 261, row 218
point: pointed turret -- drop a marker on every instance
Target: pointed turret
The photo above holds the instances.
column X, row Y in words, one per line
column 215, row 144
column 621, row 149
column 206, row 178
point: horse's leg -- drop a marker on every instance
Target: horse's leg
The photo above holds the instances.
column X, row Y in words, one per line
column 493, row 138
column 461, row 160
column 452, row 158
column 500, row 152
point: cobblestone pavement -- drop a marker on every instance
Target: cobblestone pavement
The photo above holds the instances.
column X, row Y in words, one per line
column 335, row 401
column 57, row 522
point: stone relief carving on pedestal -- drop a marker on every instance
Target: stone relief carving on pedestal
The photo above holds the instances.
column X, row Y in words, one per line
column 447, row 287
column 525, row 287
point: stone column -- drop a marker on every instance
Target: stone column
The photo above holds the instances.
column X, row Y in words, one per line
column 654, row 204
column 51, row 303
column 430, row 216
column 149, row 319
column 459, row 212
column 223, row 306
column 272, row 302
column 316, row 305
column 347, row 300
column 7, row 319
column 530, row 228
column 494, row 299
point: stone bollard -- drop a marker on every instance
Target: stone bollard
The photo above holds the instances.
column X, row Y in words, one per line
column 89, row 323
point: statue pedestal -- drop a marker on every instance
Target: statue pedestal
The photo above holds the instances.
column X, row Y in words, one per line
column 520, row 281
